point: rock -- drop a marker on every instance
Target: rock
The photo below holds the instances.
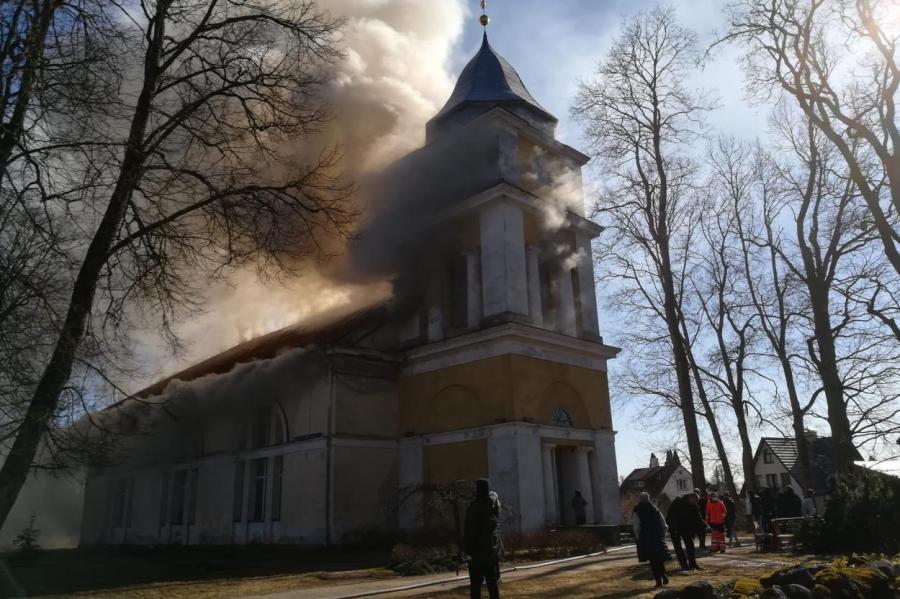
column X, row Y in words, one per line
column 748, row 587
column 795, row 575
column 698, row 590
column 854, row 583
column 886, row 568
column 773, row 593
column 796, row 591
column 667, row 594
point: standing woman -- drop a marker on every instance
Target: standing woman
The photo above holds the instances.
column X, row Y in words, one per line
column 650, row 532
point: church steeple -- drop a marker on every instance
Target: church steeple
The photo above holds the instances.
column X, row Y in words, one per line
column 486, row 82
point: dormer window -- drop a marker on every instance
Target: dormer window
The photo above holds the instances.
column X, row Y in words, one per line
column 768, row 456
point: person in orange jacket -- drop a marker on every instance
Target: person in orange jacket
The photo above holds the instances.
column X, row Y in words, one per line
column 716, row 513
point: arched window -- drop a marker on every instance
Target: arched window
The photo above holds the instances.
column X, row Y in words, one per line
column 267, row 426
column 561, row 417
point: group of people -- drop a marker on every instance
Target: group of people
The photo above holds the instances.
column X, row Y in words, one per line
column 768, row 504
column 689, row 516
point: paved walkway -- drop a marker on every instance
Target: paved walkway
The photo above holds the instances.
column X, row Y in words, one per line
column 414, row 586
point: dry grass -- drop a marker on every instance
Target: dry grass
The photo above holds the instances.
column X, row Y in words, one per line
column 231, row 588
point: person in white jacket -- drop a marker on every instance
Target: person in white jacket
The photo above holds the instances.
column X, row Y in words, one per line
column 809, row 508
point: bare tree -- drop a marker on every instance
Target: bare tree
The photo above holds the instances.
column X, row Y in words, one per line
column 191, row 176
column 639, row 120
column 803, row 48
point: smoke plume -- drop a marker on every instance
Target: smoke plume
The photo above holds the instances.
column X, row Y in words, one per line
column 393, row 78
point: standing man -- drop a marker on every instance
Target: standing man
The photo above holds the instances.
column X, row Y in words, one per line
column 701, row 508
column 684, row 522
column 756, row 510
column 731, row 520
column 482, row 540
column 579, row 505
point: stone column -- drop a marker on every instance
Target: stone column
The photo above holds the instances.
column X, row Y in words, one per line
column 535, row 308
column 473, row 289
column 504, row 284
column 551, row 514
column 567, row 322
column 584, row 480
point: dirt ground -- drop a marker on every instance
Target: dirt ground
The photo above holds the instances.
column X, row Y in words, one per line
column 626, row 581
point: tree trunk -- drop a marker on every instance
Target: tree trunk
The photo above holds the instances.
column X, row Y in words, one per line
column 832, row 385
column 45, row 399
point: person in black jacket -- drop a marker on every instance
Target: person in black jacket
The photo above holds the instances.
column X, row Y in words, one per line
column 481, row 541
column 650, row 534
column 684, row 523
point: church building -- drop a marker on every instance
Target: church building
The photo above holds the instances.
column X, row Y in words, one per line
column 325, row 433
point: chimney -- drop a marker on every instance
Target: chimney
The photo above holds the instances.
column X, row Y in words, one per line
column 810, row 435
column 654, row 462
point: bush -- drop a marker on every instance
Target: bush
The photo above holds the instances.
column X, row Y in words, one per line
column 411, row 560
column 862, row 515
column 26, row 542
column 552, row 544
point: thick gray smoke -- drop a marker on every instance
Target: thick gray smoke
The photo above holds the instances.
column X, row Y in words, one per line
column 393, row 79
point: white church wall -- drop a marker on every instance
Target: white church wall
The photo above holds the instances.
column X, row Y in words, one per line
column 303, row 505
column 365, row 488
column 365, row 406
column 607, row 508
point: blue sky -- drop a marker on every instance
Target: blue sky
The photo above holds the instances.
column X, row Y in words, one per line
column 554, row 44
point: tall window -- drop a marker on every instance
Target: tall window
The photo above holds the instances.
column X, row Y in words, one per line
column 682, row 484
column 164, row 500
column 277, row 469
column 576, row 293
column 237, row 501
column 771, row 480
column 768, row 456
column 179, row 487
column 258, row 489
column 260, row 427
column 121, row 502
column 785, row 479
column 192, row 496
column 458, row 279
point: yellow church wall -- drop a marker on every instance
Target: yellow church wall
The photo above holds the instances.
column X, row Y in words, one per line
column 501, row 389
column 466, row 460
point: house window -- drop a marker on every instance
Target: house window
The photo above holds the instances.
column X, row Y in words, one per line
column 759, row 481
column 192, row 496
column 237, row 501
column 258, row 469
column 639, row 484
column 179, row 487
column 768, row 456
column 771, row 480
column 277, row 469
column 164, row 500
column 785, row 479
column 561, row 417
column 682, row 484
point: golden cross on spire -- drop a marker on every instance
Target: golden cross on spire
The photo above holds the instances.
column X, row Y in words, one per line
column 485, row 20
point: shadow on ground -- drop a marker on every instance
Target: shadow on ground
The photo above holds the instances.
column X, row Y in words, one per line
column 78, row 570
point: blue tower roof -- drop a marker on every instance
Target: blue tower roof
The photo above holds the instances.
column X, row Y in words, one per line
column 489, row 80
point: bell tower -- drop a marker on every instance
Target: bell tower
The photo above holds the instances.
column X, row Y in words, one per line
column 505, row 375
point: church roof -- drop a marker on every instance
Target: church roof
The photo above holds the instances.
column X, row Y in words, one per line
column 490, row 79
column 328, row 328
